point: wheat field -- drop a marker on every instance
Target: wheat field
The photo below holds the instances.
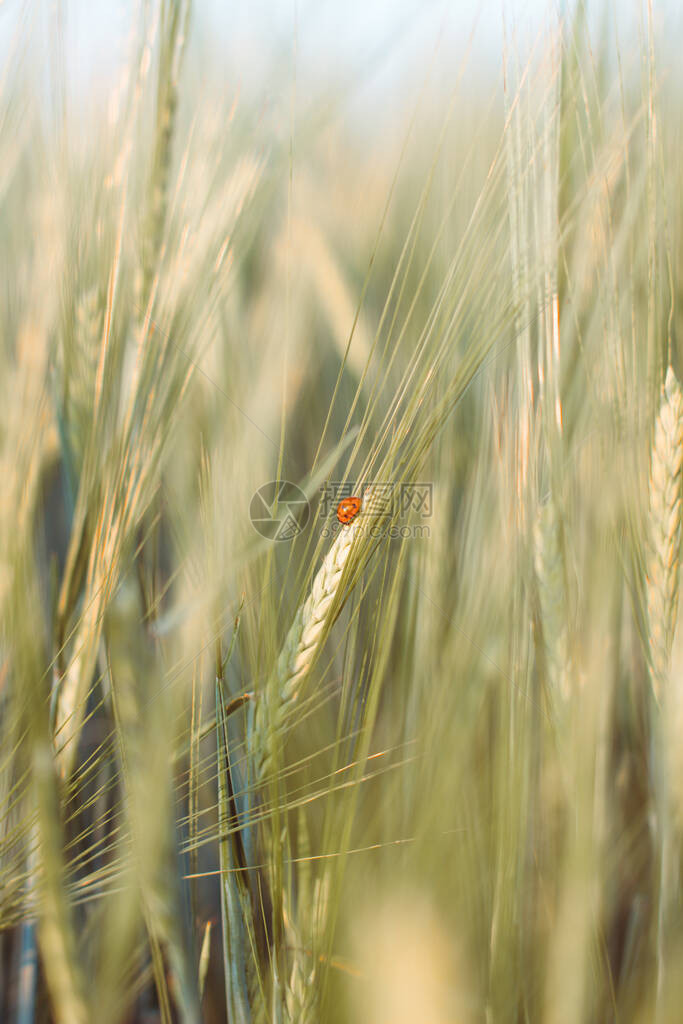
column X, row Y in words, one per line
column 261, row 765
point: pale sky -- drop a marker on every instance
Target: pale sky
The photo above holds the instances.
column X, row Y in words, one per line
column 388, row 43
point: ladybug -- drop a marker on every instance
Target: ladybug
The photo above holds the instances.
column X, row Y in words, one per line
column 348, row 509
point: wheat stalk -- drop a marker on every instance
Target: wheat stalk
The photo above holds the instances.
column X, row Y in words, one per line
column 664, row 530
column 301, row 992
column 304, row 920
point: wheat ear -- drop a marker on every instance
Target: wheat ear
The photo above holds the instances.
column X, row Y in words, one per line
column 87, row 334
column 664, row 532
column 663, row 545
column 301, row 645
column 552, row 597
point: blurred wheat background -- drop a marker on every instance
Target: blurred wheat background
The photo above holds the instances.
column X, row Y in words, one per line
column 427, row 775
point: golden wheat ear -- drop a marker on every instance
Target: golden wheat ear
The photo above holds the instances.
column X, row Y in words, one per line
column 664, row 530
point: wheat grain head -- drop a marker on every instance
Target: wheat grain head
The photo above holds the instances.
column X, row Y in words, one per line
column 549, row 564
column 303, row 641
column 664, row 530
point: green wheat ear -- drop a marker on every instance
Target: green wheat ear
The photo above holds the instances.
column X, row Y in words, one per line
column 664, row 530
column 549, row 564
column 304, row 638
column 298, row 651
